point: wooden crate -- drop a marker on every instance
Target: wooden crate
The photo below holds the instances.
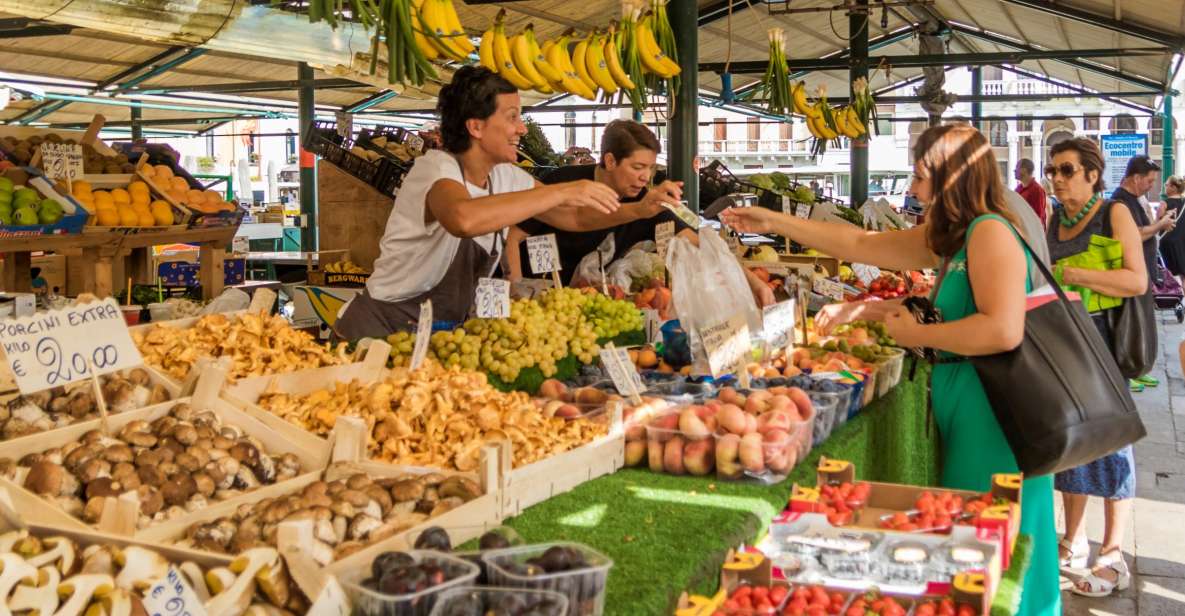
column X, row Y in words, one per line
column 352, row 214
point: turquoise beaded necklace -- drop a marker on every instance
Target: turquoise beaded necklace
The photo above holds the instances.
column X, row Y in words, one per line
column 1070, row 222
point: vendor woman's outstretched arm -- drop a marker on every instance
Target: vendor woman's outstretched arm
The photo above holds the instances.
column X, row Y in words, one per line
column 465, row 216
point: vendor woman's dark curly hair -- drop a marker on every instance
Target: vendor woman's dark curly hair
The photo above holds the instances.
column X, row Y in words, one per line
column 472, row 94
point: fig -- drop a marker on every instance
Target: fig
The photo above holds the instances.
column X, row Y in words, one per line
column 634, row 452
column 699, row 457
column 672, row 458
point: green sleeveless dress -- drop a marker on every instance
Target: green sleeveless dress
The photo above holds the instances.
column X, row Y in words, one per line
column 974, row 446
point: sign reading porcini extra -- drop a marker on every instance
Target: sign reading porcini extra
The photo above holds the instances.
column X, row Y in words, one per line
column 57, row 347
column 1117, row 150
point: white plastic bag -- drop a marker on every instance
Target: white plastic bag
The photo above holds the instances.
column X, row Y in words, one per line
column 708, row 286
column 229, row 301
column 640, row 263
column 588, row 272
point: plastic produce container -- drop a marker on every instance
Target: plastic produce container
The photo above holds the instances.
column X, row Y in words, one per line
column 826, row 406
column 466, row 540
column 466, row 600
column 584, row 587
column 367, row 602
column 671, row 450
column 905, row 563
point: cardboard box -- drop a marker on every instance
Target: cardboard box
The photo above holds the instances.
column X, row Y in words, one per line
column 52, row 272
column 181, row 273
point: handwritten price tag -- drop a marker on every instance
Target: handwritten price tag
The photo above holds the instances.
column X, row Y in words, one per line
column 778, row 320
column 728, row 345
column 663, row 232
column 53, row 348
column 787, row 206
column 62, row 161
column 543, row 253
column 803, row 211
column 622, row 371
column 173, row 596
column 493, row 298
column 828, row 288
column 423, row 334
column 866, row 273
column 332, row 601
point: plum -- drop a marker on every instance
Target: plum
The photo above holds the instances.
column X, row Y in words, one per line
column 493, row 540
column 699, row 457
column 672, row 458
column 635, row 451
column 434, row 538
column 387, row 561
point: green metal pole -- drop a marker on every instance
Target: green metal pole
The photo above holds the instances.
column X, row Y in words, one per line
column 308, row 169
column 683, row 126
column 137, row 130
column 976, row 91
column 857, row 68
column 1169, row 137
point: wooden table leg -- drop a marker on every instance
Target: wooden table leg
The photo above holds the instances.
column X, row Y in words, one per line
column 103, row 283
column 211, row 272
column 139, row 266
column 22, row 282
column 91, row 255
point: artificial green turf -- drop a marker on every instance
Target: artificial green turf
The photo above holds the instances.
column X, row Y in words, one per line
column 1011, row 586
column 667, row 534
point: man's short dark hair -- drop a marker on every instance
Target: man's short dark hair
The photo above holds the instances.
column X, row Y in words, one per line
column 1140, row 165
column 1027, row 165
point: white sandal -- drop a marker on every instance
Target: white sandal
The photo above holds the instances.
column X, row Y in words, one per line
column 1079, row 554
column 1095, row 586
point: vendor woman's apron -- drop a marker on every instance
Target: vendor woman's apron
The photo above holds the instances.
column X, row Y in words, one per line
column 367, row 317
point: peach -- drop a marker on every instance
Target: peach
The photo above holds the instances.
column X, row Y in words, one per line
column 692, row 426
column 551, row 407
column 666, row 426
column 750, row 424
column 771, row 373
column 704, row 412
column 711, row 424
column 728, row 395
column 635, row 432
column 732, row 419
column 774, row 420
column 699, row 457
column 727, row 455
column 776, row 436
column 634, row 452
column 654, row 454
column 756, row 405
column 781, row 460
column 672, row 456
column 647, row 358
column 752, row 456
column 715, row 405
column 780, row 402
column 802, row 402
column 791, row 371
column 568, row 411
column 591, row 395
column 554, row 389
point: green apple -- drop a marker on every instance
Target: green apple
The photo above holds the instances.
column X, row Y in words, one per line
column 6, row 217
column 6, row 198
column 49, row 212
column 25, row 216
column 5, row 184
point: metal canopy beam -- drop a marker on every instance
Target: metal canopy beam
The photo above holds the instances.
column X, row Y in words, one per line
column 39, row 111
column 1062, row 10
column 152, row 70
column 925, row 60
column 250, row 86
column 157, row 122
column 995, row 98
column 1031, row 75
column 35, row 31
column 1111, row 73
column 370, row 101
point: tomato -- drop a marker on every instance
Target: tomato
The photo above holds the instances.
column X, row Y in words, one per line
column 794, row 609
column 966, row 610
column 816, row 610
column 777, row 594
column 854, row 611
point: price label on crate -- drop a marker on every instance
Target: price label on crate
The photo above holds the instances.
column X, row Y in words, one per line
column 828, row 288
column 61, row 161
column 493, row 298
column 543, row 254
column 866, row 273
column 663, row 233
column 172, row 596
column 423, row 334
column 803, row 211
column 58, row 347
column 779, row 320
column 727, row 344
column 622, row 371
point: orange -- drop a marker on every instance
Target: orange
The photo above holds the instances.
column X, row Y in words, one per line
column 147, row 171
column 103, row 199
column 119, row 195
column 176, row 183
column 80, row 187
column 213, row 196
column 162, row 214
column 146, row 218
column 128, row 217
column 108, row 217
column 163, row 172
column 196, row 196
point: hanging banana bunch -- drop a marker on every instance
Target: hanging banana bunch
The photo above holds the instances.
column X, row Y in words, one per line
column 406, row 60
column 572, row 81
column 443, row 30
column 632, row 64
column 664, row 38
column 777, row 75
column 820, row 121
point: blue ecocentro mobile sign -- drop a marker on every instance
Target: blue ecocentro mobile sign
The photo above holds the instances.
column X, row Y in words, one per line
column 1117, row 150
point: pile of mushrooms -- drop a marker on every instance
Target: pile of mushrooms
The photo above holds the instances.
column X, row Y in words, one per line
column 62, row 406
column 53, row 576
column 347, row 514
column 176, row 464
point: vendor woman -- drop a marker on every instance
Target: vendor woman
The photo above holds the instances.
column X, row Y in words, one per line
column 447, row 227
column 629, row 157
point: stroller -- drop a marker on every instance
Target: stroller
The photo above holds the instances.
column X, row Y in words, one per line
column 1167, row 292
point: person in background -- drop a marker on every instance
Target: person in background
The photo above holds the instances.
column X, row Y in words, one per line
column 1030, row 226
column 1139, row 177
column 1030, row 189
column 816, row 189
column 1172, row 244
column 969, row 230
column 1077, row 179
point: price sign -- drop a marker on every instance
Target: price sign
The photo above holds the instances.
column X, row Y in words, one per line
column 172, row 596
column 727, row 344
column 787, row 206
column 240, row 244
column 652, row 324
column 332, row 600
column 62, row 161
column 543, row 253
column 778, row 320
column 622, row 371
column 663, row 233
column 423, row 333
column 55, row 348
column 493, row 298
column 828, row 288
column 803, row 211
column 866, row 273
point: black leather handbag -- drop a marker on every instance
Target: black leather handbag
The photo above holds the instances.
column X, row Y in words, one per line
column 1133, row 324
column 1059, row 396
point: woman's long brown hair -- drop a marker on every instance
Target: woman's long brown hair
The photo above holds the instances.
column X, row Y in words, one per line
column 965, row 182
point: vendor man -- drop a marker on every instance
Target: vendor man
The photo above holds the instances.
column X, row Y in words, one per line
column 629, row 155
column 447, row 227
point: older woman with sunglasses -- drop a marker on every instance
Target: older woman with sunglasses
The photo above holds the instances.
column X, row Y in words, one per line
column 970, row 231
column 1077, row 176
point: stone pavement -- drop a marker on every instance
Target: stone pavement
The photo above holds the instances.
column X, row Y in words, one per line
column 1155, row 542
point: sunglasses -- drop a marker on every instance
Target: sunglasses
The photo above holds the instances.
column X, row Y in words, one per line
column 1066, row 170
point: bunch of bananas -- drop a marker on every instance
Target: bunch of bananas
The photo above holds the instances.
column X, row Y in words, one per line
column 828, row 123
column 439, row 33
column 657, row 41
column 345, row 266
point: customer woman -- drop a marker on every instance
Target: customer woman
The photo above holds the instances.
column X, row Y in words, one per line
column 1076, row 172
column 969, row 231
column 1172, row 244
column 448, row 224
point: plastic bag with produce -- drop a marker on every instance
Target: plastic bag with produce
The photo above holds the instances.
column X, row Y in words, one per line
column 589, row 271
column 637, row 268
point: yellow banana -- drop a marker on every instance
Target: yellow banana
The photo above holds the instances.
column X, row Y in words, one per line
column 652, row 55
column 426, row 47
column 485, row 52
column 798, row 97
column 594, row 59
column 453, row 21
column 613, row 62
column 520, row 52
column 840, row 116
column 581, row 66
column 432, row 15
column 549, row 72
column 810, row 125
column 825, row 131
column 855, row 123
column 505, row 63
column 557, row 56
